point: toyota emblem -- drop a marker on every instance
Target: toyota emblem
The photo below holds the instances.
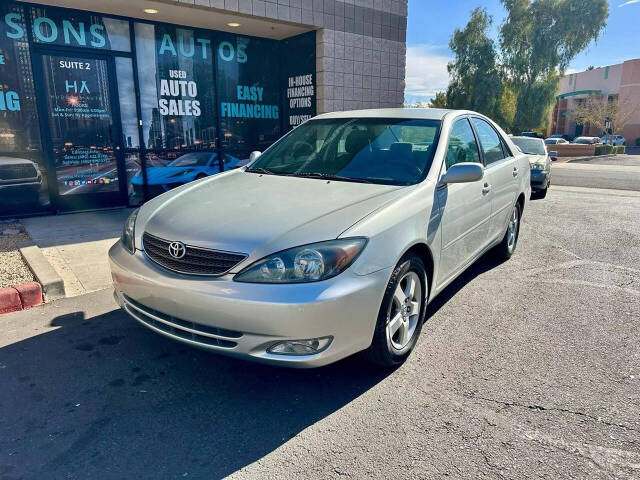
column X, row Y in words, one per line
column 177, row 249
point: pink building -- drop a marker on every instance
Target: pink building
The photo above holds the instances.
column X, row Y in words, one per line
column 621, row 81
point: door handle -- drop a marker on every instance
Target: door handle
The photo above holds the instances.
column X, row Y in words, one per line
column 486, row 189
column 515, row 171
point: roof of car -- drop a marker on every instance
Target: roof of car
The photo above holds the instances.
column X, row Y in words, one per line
column 525, row 137
column 14, row 161
column 412, row 113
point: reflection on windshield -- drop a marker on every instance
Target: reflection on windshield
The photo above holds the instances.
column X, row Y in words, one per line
column 371, row 150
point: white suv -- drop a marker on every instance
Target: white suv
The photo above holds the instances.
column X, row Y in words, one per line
column 617, row 139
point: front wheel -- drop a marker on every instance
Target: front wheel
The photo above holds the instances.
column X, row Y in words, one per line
column 510, row 240
column 401, row 314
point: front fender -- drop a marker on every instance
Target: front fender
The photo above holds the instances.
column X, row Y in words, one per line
column 410, row 220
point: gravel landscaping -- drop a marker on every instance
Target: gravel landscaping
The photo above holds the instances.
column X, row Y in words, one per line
column 13, row 270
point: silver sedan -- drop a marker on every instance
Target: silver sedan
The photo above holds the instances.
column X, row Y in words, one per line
column 329, row 243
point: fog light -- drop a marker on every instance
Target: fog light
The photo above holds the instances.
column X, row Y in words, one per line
column 300, row 347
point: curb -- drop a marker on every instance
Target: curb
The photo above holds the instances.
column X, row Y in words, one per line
column 14, row 299
column 52, row 283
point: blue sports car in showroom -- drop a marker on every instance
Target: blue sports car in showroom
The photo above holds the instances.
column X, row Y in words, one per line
column 184, row 169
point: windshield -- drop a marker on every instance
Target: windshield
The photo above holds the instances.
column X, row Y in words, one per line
column 372, row 150
column 191, row 160
column 583, row 140
column 551, row 141
column 532, row 146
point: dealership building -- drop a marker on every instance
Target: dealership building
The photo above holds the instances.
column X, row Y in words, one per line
column 106, row 104
column 620, row 82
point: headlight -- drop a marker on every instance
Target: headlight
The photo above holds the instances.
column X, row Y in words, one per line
column 537, row 166
column 128, row 232
column 307, row 263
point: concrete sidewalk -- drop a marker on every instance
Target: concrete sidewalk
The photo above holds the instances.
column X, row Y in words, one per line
column 76, row 245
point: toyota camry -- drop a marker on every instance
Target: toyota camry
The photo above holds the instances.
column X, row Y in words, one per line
column 331, row 242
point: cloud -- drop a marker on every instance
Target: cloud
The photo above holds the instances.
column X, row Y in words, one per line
column 426, row 71
column 628, row 2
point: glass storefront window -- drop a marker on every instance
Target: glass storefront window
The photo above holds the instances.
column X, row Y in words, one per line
column 81, row 124
column 177, row 100
column 248, row 93
column 177, row 95
column 22, row 171
column 73, row 28
column 129, row 121
column 19, row 129
column 198, row 104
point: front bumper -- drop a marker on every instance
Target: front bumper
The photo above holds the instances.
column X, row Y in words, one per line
column 243, row 319
column 539, row 179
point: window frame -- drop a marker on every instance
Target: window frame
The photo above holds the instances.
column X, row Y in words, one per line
column 475, row 136
column 505, row 148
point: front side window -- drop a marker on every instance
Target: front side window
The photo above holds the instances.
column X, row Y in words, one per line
column 489, row 141
column 371, row 150
column 462, row 145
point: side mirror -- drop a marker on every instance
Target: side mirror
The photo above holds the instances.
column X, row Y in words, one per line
column 254, row 155
column 465, row 172
column 553, row 155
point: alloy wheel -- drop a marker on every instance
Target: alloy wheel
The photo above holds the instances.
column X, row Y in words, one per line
column 404, row 311
column 512, row 230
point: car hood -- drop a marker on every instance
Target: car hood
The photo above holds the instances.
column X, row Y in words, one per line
column 260, row 214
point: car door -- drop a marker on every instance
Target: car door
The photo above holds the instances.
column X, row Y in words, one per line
column 501, row 172
column 465, row 207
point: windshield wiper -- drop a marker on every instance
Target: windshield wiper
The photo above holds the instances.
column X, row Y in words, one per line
column 327, row 176
column 260, row 170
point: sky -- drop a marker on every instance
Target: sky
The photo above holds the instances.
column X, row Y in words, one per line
column 432, row 22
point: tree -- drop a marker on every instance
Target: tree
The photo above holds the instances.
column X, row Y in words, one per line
column 439, row 101
column 538, row 39
column 417, row 105
column 596, row 110
column 475, row 78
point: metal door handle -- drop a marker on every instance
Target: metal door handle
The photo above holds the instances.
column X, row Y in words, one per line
column 486, row 189
column 515, row 171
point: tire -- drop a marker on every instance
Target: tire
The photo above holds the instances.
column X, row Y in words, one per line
column 542, row 193
column 392, row 343
column 507, row 246
column 200, row 176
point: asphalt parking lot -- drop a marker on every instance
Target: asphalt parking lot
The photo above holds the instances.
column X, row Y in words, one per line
column 526, row 369
column 620, row 172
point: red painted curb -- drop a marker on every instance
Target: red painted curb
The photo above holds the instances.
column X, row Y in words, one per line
column 9, row 300
column 30, row 294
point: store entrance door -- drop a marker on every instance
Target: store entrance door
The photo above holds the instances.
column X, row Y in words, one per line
column 81, row 123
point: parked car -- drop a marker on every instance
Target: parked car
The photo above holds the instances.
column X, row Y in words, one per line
column 613, row 139
column 331, row 242
column 529, row 134
column 555, row 141
column 20, row 178
column 540, row 162
column 186, row 168
column 587, row 140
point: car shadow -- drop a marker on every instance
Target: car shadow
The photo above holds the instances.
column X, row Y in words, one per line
column 482, row 265
column 103, row 397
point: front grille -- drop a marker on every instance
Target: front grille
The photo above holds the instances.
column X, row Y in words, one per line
column 195, row 332
column 17, row 172
column 197, row 261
